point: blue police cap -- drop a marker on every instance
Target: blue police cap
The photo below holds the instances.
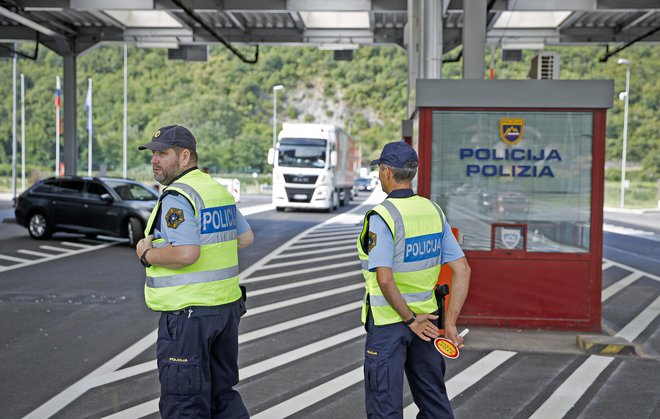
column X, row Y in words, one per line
column 171, row 136
column 396, row 154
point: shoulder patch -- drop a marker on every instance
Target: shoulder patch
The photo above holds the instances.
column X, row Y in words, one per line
column 174, row 217
column 372, row 240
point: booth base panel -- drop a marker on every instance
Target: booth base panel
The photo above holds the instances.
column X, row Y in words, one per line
column 533, row 293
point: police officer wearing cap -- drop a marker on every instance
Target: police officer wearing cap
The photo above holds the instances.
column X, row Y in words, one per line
column 190, row 252
column 403, row 243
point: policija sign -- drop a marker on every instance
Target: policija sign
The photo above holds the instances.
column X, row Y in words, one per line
column 509, row 162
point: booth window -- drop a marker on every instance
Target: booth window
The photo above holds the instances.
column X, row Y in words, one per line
column 530, row 169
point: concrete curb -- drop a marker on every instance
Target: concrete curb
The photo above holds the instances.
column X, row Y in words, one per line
column 632, row 211
column 606, row 345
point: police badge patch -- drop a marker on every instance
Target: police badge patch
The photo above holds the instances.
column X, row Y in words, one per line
column 174, row 217
column 512, row 130
column 372, row 241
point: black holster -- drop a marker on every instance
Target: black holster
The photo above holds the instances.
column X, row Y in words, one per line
column 441, row 291
column 243, row 300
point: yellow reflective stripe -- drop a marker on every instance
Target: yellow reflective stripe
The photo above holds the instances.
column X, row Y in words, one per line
column 192, row 278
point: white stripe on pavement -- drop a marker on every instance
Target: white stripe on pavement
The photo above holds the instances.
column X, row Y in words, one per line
column 337, row 239
column 619, row 285
column 631, row 269
column 300, row 271
column 297, row 284
column 58, row 256
column 316, row 245
column 314, row 252
column 79, row 245
column 256, row 209
column 303, row 299
column 467, row 378
column 56, row 249
column 34, row 253
column 641, row 322
column 308, row 398
column 14, row 259
column 312, row 260
column 606, row 264
column 571, row 390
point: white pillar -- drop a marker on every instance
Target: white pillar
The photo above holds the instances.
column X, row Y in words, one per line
column 432, row 39
column 14, row 140
column 124, row 164
column 474, row 38
column 22, row 132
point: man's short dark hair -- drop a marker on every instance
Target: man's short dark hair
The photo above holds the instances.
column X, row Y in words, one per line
column 406, row 173
column 193, row 153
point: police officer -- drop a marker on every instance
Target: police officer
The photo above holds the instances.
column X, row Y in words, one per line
column 403, row 243
column 191, row 257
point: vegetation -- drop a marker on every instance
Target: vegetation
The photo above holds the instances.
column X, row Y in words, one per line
column 228, row 104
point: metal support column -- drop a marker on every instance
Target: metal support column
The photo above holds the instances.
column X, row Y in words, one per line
column 474, row 38
column 70, row 137
column 412, row 38
column 432, row 39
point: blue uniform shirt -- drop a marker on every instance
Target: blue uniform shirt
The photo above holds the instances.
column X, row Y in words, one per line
column 382, row 253
column 186, row 232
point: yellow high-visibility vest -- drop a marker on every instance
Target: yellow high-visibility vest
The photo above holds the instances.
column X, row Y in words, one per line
column 416, row 225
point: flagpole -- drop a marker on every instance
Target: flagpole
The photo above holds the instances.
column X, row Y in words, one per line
column 13, row 130
column 58, row 103
column 22, row 132
column 89, row 127
column 125, row 108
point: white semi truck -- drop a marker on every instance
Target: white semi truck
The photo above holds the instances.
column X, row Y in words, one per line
column 315, row 166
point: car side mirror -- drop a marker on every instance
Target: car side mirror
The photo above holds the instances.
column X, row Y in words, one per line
column 107, row 198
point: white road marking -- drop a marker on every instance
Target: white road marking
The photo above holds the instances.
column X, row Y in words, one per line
column 14, row 259
column 308, row 398
column 619, row 285
column 50, row 257
column 33, row 253
column 343, row 237
column 55, row 249
column 79, row 245
column 467, row 378
column 306, row 282
column 316, row 245
column 312, row 260
column 313, row 252
column 334, row 233
column 631, row 269
column 256, row 209
column 571, row 390
column 633, row 232
column 606, row 264
column 329, row 268
column 640, row 322
column 303, row 299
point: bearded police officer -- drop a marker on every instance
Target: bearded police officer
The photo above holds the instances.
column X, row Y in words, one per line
column 191, row 257
column 403, row 243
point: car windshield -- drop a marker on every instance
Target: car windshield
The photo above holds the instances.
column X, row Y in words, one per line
column 128, row 191
column 302, row 152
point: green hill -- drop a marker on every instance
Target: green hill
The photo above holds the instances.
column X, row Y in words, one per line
column 228, row 104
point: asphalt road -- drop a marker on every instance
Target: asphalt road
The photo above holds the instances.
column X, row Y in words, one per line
column 77, row 340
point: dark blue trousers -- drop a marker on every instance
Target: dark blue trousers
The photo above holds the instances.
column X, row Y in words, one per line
column 198, row 363
column 389, row 351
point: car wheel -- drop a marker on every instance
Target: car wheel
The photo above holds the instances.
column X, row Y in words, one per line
column 134, row 231
column 38, row 226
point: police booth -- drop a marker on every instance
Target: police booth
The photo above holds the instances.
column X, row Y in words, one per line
column 518, row 166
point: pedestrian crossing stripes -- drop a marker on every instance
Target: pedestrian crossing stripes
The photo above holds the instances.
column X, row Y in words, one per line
column 281, row 381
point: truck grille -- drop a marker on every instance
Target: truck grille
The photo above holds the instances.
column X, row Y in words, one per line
column 306, row 179
column 296, row 194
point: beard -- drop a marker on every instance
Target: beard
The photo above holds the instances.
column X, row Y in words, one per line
column 167, row 174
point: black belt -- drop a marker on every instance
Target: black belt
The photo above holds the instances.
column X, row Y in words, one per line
column 200, row 310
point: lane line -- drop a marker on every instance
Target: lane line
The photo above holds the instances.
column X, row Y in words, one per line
column 79, row 245
column 467, row 378
column 314, row 252
column 619, row 285
column 305, row 241
column 56, row 249
column 312, row 260
column 255, row 209
column 14, row 259
column 308, row 398
column 606, row 264
column 631, row 232
column 297, row 284
column 640, row 322
column 34, row 253
column 573, row 388
column 330, row 267
column 630, row 268
column 333, row 233
column 303, row 299
column 315, row 245
column 54, row 257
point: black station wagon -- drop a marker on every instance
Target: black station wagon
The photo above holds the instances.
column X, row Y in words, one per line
column 87, row 205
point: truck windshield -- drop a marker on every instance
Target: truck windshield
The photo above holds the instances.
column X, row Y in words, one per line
column 302, row 152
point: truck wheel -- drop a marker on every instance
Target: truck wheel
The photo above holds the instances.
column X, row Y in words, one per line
column 134, row 231
column 279, row 209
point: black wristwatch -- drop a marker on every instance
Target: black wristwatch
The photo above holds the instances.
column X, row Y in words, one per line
column 143, row 259
column 411, row 320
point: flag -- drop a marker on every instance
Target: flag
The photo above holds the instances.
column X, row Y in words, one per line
column 88, row 106
column 58, row 94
